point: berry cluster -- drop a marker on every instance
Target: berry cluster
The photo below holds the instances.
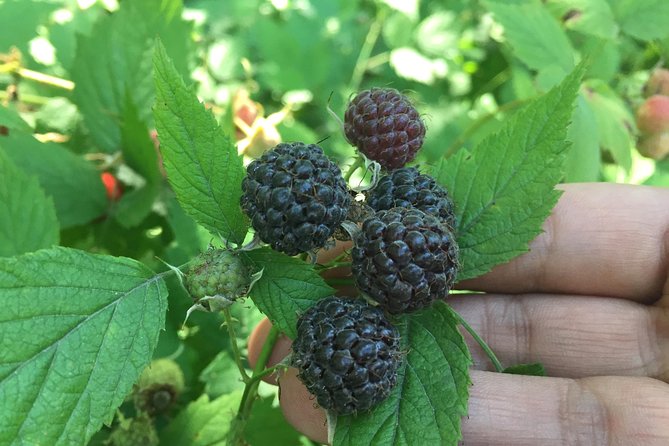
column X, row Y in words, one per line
column 405, row 256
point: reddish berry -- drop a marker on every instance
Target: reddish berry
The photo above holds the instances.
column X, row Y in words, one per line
column 112, row 186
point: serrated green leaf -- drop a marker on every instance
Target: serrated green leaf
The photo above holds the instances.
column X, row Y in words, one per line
column 534, row 369
column 27, row 216
column 115, row 60
column 74, row 183
column 11, row 120
column 203, row 422
column 431, row 393
column 201, row 161
column 534, row 34
column 287, row 288
column 76, row 331
column 505, row 187
column 643, row 19
column 584, row 159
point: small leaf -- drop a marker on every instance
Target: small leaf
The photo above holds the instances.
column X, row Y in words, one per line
column 76, row 331
column 534, row 369
column 203, row 422
column 27, row 216
column 505, row 188
column 74, row 183
column 534, row 35
column 286, row 289
column 431, row 393
column 202, row 163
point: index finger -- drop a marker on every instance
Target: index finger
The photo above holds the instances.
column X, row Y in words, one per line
column 602, row 239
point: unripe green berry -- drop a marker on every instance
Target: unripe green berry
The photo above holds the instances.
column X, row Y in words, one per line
column 159, row 386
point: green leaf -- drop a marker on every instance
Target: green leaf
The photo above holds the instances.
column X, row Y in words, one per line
column 11, row 120
column 592, row 17
column 615, row 123
column 431, row 393
column 268, row 427
column 27, row 216
column 74, row 183
column 221, row 376
column 287, row 287
column 19, row 20
column 76, row 331
column 643, row 19
column 201, row 161
column 534, row 369
column 583, row 160
column 203, row 422
column 505, row 188
column 115, row 60
column 534, row 34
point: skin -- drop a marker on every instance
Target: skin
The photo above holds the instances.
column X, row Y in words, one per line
column 590, row 301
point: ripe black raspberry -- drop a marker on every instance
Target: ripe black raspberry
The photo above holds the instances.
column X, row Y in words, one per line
column 404, row 259
column 407, row 187
column 383, row 125
column 295, row 197
column 216, row 278
column 347, row 354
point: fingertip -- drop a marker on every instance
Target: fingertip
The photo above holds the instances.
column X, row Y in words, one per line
column 300, row 408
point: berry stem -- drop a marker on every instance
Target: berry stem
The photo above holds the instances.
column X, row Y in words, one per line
column 358, row 163
column 251, row 388
column 235, row 348
column 486, row 348
column 16, row 69
column 366, row 50
column 337, row 281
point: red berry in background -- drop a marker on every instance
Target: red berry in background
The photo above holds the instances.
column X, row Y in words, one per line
column 384, row 125
column 658, row 83
column 112, row 186
column 652, row 119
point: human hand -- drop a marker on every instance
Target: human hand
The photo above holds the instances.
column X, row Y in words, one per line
column 590, row 301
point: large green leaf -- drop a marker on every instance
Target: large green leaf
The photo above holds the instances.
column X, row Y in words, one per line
column 10, row 120
column 287, row 287
column 19, row 20
column 584, row 159
column 587, row 16
column 115, row 60
column 643, row 19
column 505, row 187
column 201, row 161
column 431, row 393
column 74, row 183
column 534, row 34
column 27, row 216
column 76, row 330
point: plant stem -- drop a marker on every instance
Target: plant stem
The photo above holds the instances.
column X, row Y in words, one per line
column 486, row 348
column 358, row 163
column 251, row 387
column 235, row 348
column 46, row 79
column 26, row 98
column 335, row 281
column 366, row 50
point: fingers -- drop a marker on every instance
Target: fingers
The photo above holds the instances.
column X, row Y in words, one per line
column 522, row 410
column 601, row 239
column 572, row 336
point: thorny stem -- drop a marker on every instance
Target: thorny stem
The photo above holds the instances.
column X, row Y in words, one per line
column 251, row 387
column 480, row 122
column 235, row 348
column 46, row 79
column 486, row 348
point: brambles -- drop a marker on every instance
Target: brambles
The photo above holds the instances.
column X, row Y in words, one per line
column 347, row 354
column 383, row 125
column 295, row 197
column 159, row 387
column 216, row 278
column 407, row 187
column 404, row 259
